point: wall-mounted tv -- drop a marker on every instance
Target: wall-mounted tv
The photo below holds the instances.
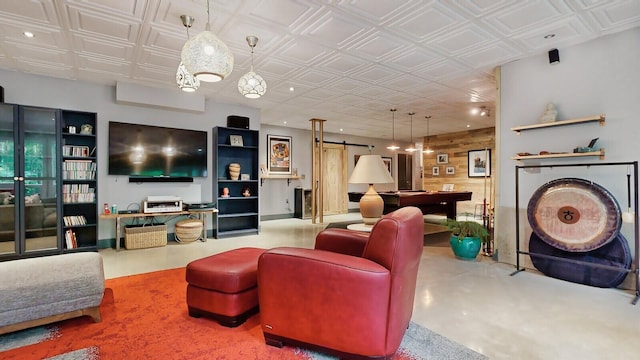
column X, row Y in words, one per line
column 156, row 152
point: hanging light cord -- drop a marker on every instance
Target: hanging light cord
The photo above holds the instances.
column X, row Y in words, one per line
column 393, row 124
column 252, row 57
column 411, row 133
column 208, row 27
column 428, row 121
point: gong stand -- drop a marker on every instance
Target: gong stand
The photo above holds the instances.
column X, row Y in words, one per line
column 636, row 261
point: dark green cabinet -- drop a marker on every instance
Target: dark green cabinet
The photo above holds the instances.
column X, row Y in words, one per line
column 33, row 210
column 237, row 199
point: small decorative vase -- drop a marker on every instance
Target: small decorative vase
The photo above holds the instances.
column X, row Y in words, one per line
column 234, row 171
column 465, row 249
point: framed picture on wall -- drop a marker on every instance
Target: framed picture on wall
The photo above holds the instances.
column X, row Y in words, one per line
column 442, row 158
column 279, row 154
column 387, row 162
column 450, row 170
column 435, row 171
column 479, row 163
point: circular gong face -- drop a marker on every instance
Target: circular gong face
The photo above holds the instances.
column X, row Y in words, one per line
column 574, row 214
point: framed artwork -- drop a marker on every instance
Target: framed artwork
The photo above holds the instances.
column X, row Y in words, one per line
column 479, row 163
column 442, row 158
column 435, row 171
column 235, row 140
column 279, row 153
column 447, row 187
column 387, row 162
column 450, row 170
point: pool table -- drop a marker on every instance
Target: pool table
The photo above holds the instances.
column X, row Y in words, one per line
column 428, row 202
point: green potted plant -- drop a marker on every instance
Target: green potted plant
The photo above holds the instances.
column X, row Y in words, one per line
column 466, row 238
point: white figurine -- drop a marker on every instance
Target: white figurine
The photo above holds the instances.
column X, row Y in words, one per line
column 549, row 114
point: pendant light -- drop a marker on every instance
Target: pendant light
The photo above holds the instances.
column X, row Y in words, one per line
column 428, row 150
column 393, row 145
column 186, row 82
column 252, row 85
column 207, row 57
column 411, row 147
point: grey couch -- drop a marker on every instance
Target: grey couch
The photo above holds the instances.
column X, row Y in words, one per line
column 43, row 290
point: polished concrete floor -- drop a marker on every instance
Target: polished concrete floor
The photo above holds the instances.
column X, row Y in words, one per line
column 477, row 304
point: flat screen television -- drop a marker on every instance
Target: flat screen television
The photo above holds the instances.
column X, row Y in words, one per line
column 156, row 152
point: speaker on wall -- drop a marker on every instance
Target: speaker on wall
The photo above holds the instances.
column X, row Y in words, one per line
column 554, row 56
column 238, row 122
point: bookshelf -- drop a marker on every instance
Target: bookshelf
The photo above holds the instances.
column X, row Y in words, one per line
column 79, row 181
column 238, row 211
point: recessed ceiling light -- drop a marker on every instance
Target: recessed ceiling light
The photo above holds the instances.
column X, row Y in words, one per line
column 474, row 111
column 291, row 89
column 285, row 121
column 468, row 125
column 340, row 129
column 549, row 36
column 28, row 34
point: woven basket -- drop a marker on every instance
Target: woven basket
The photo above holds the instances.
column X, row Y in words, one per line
column 188, row 230
column 146, row 236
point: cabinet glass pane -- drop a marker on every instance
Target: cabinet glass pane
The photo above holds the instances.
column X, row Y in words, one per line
column 40, row 221
column 40, row 154
column 7, row 186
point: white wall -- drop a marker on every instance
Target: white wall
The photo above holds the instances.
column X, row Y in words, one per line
column 274, row 194
column 42, row 91
column 601, row 76
column 27, row 89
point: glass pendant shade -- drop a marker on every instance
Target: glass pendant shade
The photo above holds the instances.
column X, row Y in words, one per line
column 186, row 81
column 252, row 85
column 207, row 57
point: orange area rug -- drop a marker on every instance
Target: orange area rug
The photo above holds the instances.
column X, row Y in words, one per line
column 145, row 317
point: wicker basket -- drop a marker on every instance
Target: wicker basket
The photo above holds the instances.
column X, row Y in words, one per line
column 145, row 236
column 189, row 230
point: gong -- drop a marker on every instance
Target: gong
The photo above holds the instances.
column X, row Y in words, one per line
column 615, row 254
column 574, row 214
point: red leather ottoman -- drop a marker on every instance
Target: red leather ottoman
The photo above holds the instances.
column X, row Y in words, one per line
column 224, row 286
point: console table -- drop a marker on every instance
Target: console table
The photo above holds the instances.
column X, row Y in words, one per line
column 202, row 214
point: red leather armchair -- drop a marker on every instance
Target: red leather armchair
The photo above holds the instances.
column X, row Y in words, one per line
column 351, row 296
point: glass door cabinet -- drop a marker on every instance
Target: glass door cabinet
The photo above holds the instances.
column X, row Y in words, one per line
column 29, row 202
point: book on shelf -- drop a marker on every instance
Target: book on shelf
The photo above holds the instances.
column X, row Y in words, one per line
column 70, row 239
column 74, row 220
column 79, row 170
column 75, row 151
column 78, row 193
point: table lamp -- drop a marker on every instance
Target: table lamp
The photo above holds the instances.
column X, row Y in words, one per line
column 370, row 169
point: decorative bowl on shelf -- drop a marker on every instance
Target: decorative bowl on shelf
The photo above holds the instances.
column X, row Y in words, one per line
column 86, row 129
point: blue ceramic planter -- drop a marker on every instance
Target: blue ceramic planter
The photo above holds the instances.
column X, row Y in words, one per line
column 467, row 248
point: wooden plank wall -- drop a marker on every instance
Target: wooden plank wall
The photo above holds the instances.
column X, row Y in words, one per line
column 456, row 146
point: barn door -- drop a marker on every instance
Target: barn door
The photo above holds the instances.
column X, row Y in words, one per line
column 334, row 181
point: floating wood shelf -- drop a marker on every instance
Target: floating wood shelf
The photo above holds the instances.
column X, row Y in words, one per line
column 599, row 153
column 598, row 118
column 287, row 177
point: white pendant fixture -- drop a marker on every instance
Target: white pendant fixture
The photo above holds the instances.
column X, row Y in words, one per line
column 393, row 145
column 428, row 149
column 207, row 57
column 186, row 82
column 411, row 147
column 252, row 85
